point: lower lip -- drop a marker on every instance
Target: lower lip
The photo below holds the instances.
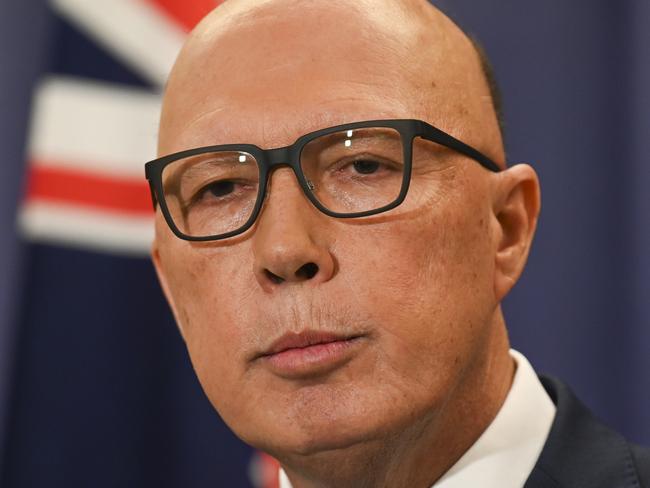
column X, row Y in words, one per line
column 318, row 359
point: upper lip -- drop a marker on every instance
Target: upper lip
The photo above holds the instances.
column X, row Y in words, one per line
column 293, row 340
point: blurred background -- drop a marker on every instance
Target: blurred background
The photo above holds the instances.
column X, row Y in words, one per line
column 96, row 388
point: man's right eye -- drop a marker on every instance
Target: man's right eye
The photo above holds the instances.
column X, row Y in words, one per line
column 218, row 189
column 214, row 192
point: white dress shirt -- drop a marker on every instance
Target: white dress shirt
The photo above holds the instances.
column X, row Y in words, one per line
column 505, row 454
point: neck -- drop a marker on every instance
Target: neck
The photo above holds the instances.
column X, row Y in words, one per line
column 419, row 455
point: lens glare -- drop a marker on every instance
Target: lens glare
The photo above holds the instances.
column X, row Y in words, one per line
column 211, row 194
column 353, row 171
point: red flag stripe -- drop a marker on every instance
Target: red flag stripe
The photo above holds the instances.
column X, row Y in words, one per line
column 119, row 195
column 271, row 468
column 187, row 13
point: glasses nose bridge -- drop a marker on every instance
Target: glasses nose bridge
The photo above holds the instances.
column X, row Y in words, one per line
column 279, row 156
column 286, row 156
column 283, row 156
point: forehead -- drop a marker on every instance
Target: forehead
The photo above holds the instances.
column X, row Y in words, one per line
column 265, row 78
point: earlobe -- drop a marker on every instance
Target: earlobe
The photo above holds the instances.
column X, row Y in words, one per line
column 516, row 209
column 162, row 279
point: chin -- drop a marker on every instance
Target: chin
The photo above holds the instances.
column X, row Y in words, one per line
column 304, row 431
column 296, row 443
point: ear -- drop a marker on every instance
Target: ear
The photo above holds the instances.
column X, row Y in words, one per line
column 516, row 209
column 162, row 278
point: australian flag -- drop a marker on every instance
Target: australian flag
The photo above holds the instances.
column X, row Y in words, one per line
column 103, row 393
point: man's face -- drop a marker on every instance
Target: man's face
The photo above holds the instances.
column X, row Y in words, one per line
column 409, row 293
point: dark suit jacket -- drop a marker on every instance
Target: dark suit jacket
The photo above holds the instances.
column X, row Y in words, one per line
column 581, row 452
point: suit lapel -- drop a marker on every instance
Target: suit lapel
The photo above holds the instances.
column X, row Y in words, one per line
column 580, row 451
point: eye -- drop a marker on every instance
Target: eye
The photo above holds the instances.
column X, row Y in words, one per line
column 219, row 188
column 215, row 192
column 366, row 167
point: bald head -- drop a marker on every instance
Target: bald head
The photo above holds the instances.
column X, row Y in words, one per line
column 404, row 55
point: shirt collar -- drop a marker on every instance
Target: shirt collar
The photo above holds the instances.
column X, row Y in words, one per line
column 505, row 454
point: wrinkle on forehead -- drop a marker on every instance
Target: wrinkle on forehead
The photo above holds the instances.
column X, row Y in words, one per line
column 274, row 124
column 284, row 105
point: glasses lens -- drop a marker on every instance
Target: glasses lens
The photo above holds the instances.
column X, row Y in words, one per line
column 211, row 194
column 355, row 170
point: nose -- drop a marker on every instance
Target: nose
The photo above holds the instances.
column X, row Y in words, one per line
column 290, row 238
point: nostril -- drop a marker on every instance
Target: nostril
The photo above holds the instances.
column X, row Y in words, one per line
column 307, row 271
column 273, row 277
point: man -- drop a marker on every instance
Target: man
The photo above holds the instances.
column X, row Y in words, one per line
column 336, row 229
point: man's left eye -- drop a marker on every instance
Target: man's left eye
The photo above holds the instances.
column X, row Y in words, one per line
column 366, row 167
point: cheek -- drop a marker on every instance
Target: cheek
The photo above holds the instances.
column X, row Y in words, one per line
column 203, row 287
column 212, row 300
column 439, row 257
column 427, row 284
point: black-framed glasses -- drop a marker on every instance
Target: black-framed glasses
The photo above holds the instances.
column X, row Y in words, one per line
column 350, row 170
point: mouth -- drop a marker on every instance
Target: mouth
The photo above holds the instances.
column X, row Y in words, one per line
column 309, row 353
